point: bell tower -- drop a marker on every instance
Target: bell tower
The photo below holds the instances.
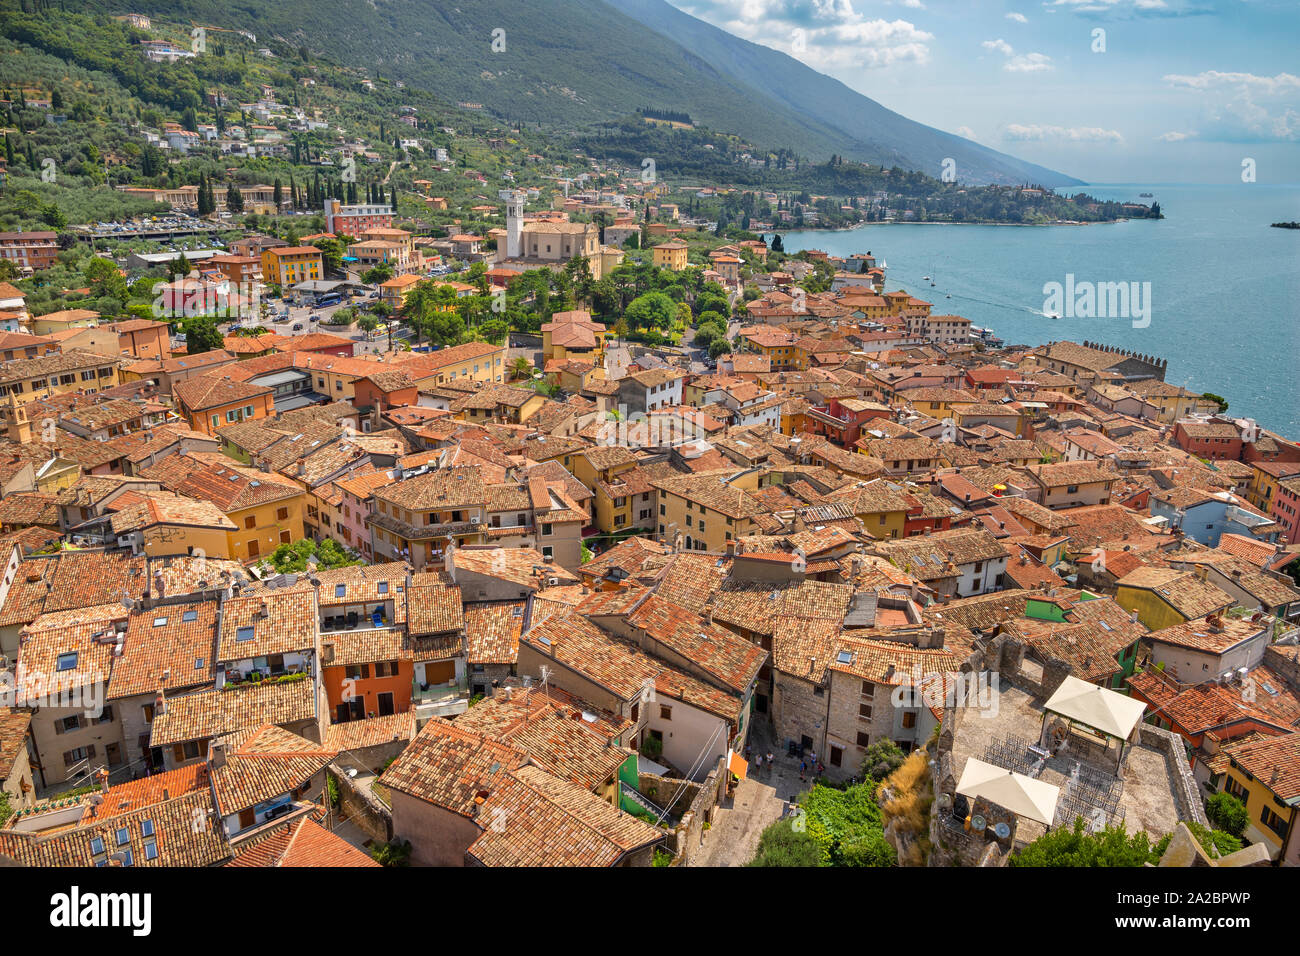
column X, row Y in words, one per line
column 18, row 428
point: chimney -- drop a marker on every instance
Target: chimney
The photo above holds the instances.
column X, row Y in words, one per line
column 1202, row 572
column 216, row 755
column 102, row 775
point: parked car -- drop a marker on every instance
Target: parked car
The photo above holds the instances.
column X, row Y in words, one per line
column 297, row 327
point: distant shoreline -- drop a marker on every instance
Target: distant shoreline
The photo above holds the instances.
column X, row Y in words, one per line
column 1013, row 225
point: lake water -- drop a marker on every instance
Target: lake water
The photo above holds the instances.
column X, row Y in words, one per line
column 1224, row 287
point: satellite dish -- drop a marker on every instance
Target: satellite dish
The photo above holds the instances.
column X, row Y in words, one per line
column 978, row 823
column 1002, row 830
column 943, row 801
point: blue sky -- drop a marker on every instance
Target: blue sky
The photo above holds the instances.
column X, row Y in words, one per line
column 1170, row 91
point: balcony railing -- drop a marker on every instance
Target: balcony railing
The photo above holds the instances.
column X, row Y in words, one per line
column 434, row 693
column 826, row 418
column 420, row 532
column 440, row 700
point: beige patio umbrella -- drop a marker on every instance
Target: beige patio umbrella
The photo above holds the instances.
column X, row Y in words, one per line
column 1023, row 796
column 1096, row 707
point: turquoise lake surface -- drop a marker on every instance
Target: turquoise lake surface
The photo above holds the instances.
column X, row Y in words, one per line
column 1224, row 286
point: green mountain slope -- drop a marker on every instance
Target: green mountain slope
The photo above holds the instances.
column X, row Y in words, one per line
column 568, row 63
column 877, row 134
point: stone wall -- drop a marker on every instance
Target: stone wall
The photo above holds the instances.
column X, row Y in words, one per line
column 687, row 838
column 358, row 805
column 492, row 675
column 1286, row 662
column 797, row 711
column 660, row 790
column 952, row 845
column 1186, row 793
column 845, row 722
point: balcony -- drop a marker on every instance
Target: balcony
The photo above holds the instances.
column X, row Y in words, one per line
column 421, row 532
column 819, row 413
column 369, row 617
column 439, row 700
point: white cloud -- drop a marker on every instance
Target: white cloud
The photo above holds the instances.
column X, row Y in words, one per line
column 1024, row 63
column 1028, row 63
column 1018, row 17
column 1231, row 110
column 1213, row 79
column 1033, row 133
column 965, row 132
column 832, row 34
column 1174, row 137
column 1094, row 5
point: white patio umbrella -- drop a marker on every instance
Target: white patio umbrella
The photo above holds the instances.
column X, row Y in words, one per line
column 1023, row 796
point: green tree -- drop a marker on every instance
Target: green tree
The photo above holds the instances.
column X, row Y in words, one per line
column 234, row 199
column 781, row 845
column 869, row 848
column 1222, row 402
column 204, row 201
column 1075, row 847
column 431, row 311
column 395, row 853
column 1216, row 843
column 202, row 335
column 847, row 824
column 654, row 310
column 331, row 254
column 380, row 273
column 293, row 558
column 1227, row 813
column 881, row 759
column 105, row 280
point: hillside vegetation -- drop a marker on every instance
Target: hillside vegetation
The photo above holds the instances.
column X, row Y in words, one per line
column 567, row 63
